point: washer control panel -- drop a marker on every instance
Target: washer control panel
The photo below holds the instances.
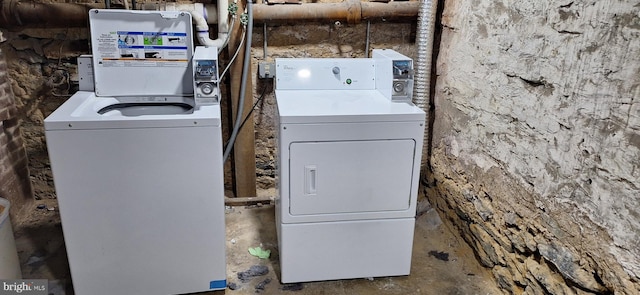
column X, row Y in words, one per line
column 206, row 88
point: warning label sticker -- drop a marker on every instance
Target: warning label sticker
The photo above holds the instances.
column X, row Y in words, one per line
column 142, row 49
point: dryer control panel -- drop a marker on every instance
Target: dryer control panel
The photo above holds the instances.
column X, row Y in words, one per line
column 206, row 88
column 394, row 76
column 325, row 73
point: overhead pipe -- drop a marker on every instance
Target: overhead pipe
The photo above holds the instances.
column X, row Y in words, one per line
column 16, row 13
column 19, row 14
column 351, row 11
column 200, row 18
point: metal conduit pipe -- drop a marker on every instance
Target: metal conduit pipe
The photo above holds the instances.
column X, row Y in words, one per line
column 19, row 14
column 422, row 76
column 351, row 11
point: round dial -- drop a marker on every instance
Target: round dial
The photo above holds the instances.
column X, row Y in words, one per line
column 206, row 88
column 398, row 87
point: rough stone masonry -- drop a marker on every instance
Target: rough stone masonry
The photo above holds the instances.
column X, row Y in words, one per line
column 15, row 185
column 536, row 141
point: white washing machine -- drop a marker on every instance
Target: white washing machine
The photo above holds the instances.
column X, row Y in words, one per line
column 350, row 144
column 137, row 164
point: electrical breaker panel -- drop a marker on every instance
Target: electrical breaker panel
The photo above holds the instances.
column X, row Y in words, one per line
column 206, row 87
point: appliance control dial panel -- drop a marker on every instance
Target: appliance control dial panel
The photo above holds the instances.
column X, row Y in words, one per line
column 394, row 74
column 206, row 88
column 325, row 74
column 402, row 88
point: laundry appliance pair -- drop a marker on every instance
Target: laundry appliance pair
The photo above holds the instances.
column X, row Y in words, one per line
column 137, row 162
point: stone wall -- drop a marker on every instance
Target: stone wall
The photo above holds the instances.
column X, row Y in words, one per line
column 536, row 141
column 41, row 68
column 15, row 184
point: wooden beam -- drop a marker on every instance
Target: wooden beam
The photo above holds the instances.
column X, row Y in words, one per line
column 244, row 155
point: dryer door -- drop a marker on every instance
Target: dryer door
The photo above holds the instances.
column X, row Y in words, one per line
column 350, row 176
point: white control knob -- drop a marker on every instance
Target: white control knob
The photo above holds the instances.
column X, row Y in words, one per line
column 398, row 87
column 206, row 88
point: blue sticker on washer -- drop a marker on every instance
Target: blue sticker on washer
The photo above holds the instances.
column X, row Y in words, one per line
column 221, row 284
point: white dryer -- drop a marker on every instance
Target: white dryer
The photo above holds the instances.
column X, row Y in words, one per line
column 138, row 166
column 349, row 162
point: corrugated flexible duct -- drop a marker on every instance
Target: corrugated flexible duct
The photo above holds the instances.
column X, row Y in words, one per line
column 422, row 76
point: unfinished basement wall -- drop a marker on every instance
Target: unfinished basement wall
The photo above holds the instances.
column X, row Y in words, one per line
column 41, row 72
column 15, row 185
column 536, row 141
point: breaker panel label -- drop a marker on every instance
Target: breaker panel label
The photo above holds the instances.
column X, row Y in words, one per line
column 142, row 49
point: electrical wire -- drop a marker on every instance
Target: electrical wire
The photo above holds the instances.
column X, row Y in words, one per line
column 244, row 31
column 226, row 40
column 264, row 91
column 243, row 83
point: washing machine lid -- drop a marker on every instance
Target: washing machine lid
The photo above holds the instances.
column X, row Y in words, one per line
column 85, row 110
column 342, row 106
column 141, row 52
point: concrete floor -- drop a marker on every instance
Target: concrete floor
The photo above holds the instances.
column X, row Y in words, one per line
column 442, row 263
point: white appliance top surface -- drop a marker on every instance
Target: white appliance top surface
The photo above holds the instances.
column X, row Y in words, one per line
column 337, row 106
column 80, row 111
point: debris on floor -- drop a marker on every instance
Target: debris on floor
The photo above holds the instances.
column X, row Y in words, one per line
column 260, row 286
column 259, row 252
column 253, row 271
column 292, row 287
column 444, row 256
column 232, row 286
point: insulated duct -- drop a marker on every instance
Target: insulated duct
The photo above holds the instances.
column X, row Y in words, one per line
column 422, row 77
